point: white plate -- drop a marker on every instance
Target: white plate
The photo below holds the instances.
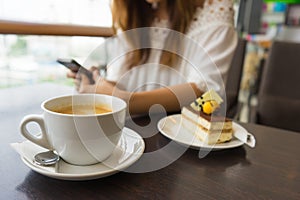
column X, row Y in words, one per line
column 130, row 148
column 170, row 127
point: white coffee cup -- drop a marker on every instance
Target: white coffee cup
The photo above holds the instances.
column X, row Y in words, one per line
column 80, row 139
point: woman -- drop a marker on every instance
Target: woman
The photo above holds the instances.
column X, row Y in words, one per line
column 209, row 23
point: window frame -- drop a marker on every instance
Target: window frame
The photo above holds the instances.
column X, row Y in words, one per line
column 28, row 28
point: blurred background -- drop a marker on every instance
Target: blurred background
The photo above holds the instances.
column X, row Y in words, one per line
column 30, row 59
column 33, row 34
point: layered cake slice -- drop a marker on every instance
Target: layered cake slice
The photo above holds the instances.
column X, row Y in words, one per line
column 199, row 119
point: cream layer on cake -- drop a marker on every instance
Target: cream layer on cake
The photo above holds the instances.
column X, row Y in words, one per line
column 210, row 129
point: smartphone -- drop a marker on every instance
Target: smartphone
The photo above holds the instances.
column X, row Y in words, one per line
column 74, row 66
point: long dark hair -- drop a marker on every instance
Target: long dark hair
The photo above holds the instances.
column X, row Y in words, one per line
column 131, row 14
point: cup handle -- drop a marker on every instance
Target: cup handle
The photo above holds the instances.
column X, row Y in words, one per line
column 41, row 140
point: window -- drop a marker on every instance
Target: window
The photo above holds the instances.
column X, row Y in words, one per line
column 81, row 12
column 32, row 58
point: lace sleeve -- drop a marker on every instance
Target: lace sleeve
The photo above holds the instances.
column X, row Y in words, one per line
column 218, row 11
column 214, row 31
column 214, row 12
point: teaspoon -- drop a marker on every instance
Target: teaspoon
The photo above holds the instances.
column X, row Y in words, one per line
column 46, row 158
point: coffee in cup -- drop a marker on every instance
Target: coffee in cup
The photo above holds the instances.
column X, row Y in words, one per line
column 83, row 129
column 82, row 109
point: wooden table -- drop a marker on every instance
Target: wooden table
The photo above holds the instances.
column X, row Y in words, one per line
column 269, row 171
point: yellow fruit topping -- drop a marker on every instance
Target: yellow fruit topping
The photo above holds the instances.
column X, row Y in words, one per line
column 208, row 102
column 209, row 107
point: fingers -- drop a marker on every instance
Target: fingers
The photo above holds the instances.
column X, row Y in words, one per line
column 93, row 69
column 82, row 82
column 83, row 85
column 96, row 75
column 84, row 79
column 77, row 84
column 79, row 80
column 95, row 72
column 71, row 74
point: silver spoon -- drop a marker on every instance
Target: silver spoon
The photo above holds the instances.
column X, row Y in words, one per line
column 46, row 158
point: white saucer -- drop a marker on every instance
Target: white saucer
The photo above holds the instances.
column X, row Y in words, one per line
column 170, row 127
column 130, row 148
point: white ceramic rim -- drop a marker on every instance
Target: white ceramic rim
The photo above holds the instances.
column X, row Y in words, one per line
column 124, row 105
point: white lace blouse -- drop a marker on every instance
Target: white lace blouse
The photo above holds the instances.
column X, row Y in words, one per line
column 207, row 50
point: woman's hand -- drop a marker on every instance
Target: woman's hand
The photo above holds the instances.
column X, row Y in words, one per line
column 101, row 85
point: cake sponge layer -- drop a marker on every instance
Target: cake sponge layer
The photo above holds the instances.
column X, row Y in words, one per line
column 207, row 136
column 207, row 122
